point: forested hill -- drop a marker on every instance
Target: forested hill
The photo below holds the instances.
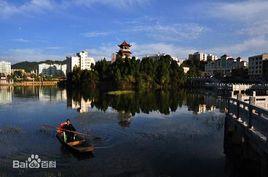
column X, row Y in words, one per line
column 30, row 66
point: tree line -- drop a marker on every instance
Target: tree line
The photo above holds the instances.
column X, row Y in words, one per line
column 132, row 73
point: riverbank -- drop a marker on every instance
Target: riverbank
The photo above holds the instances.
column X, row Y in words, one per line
column 31, row 83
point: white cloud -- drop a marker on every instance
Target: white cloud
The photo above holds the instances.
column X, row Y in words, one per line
column 161, row 30
column 29, row 54
column 141, row 50
column 122, row 4
column 150, row 49
column 22, row 40
column 170, row 32
column 257, row 28
column 53, row 48
column 95, row 34
column 33, row 6
column 30, row 7
column 248, row 10
column 251, row 15
column 252, row 46
column 103, row 51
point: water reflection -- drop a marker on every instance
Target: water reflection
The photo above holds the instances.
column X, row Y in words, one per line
column 175, row 133
column 52, row 94
column 143, row 102
column 5, row 95
column 81, row 105
column 128, row 105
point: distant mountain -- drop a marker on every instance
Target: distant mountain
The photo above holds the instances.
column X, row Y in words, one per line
column 30, row 66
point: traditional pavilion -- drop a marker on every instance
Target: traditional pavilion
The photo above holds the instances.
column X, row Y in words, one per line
column 124, row 51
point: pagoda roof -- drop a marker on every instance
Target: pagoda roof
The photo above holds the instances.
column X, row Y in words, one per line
column 124, row 44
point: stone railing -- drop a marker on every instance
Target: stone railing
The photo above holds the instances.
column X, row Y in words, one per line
column 251, row 116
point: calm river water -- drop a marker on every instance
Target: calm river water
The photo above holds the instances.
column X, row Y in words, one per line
column 141, row 134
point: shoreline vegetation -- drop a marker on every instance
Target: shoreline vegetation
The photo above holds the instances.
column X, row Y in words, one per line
column 130, row 74
column 32, row 83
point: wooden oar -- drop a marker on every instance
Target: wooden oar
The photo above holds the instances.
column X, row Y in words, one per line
column 57, row 128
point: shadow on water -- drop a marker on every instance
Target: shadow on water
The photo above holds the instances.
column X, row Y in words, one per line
column 67, row 153
column 164, row 102
column 245, row 156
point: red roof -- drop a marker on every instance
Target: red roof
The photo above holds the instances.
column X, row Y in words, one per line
column 124, row 44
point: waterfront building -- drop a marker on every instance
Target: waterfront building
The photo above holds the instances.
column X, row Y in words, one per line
column 211, row 57
column 159, row 55
column 80, row 60
column 124, row 51
column 4, row 80
column 155, row 56
column 52, row 69
column 224, row 65
column 199, row 56
column 258, row 66
column 5, row 68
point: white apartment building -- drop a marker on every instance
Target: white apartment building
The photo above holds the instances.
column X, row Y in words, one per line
column 224, row 65
column 52, row 69
column 5, row 68
column 155, row 56
column 258, row 66
column 211, row 57
column 199, row 56
column 80, row 60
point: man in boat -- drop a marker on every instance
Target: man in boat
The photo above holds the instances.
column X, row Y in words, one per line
column 68, row 131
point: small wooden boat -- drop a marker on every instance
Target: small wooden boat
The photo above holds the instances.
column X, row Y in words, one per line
column 80, row 145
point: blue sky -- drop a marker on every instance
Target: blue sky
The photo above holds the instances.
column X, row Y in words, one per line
column 51, row 29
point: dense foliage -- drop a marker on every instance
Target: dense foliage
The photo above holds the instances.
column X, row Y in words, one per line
column 196, row 67
column 129, row 73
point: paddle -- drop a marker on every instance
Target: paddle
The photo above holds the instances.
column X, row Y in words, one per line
column 76, row 132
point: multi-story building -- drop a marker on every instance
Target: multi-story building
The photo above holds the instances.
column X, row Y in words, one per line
column 199, row 56
column 80, row 60
column 5, row 68
column 52, row 69
column 155, row 56
column 211, row 57
column 258, row 66
column 224, row 65
column 159, row 55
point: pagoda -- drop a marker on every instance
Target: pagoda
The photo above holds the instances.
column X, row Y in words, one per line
column 124, row 51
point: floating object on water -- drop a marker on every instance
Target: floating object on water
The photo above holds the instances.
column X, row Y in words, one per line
column 80, row 145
